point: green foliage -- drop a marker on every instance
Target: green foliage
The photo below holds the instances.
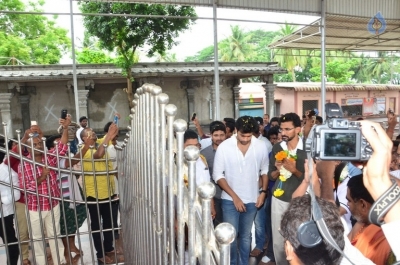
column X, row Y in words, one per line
column 337, row 71
column 205, row 55
column 87, row 55
column 237, row 47
column 30, row 39
column 126, row 34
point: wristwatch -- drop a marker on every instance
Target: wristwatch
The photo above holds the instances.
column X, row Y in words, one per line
column 265, row 191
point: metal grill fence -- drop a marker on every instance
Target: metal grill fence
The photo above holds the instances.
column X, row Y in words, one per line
column 162, row 220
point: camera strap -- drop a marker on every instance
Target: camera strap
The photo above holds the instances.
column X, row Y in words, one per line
column 384, row 203
column 317, row 214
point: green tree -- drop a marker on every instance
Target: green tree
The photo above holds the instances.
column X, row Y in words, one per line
column 260, row 39
column 166, row 57
column 30, row 39
column 237, row 47
column 204, row 55
column 337, row 71
column 380, row 68
column 289, row 58
column 126, row 34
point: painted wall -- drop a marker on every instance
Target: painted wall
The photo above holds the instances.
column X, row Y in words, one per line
column 107, row 98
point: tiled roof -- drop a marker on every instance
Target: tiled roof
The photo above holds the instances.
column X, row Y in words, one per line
column 345, row 87
column 239, row 70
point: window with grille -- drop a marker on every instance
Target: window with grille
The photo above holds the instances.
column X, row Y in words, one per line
column 309, row 105
column 353, row 110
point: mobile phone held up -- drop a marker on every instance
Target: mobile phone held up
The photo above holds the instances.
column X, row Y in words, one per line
column 64, row 114
column 193, row 116
column 116, row 120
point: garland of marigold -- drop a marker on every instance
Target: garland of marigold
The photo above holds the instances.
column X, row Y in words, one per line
column 284, row 174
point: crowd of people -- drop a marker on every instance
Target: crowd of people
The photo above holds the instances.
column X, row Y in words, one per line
column 259, row 168
column 261, row 173
column 53, row 201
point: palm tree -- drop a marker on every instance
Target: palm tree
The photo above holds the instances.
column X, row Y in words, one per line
column 237, row 47
column 289, row 58
column 360, row 68
column 380, row 66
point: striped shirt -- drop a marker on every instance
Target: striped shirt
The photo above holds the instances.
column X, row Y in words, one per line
column 28, row 175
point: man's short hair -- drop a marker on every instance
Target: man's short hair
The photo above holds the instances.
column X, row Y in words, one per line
column 272, row 131
column 190, row 134
column 259, row 120
column 293, row 117
column 266, row 114
column 299, row 211
column 50, row 141
column 319, row 119
column 107, row 126
column 274, row 119
column 82, row 118
column 246, row 124
column 230, row 123
column 217, row 126
column 358, row 190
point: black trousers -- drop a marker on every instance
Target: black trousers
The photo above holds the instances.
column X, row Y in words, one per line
column 103, row 217
column 13, row 250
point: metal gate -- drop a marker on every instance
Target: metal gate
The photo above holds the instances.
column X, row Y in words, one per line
column 162, row 220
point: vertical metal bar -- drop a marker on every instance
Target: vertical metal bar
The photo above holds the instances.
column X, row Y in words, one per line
column 151, row 168
column 149, row 182
column 171, row 111
column 180, row 128
column 206, row 193
column 156, row 91
column 216, row 64
column 225, row 233
column 143, row 172
column 163, row 100
column 191, row 154
column 74, row 77
column 323, row 37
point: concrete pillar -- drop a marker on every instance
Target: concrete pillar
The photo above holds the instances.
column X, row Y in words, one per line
column 82, row 99
column 236, row 96
column 5, row 111
column 191, row 107
column 26, row 115
column 269, row 94
column 211, row 103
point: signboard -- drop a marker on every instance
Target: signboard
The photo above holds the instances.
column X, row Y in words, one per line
column 374, row 106
column 352, row 101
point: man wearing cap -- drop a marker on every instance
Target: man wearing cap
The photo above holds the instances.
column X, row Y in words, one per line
column 83, row 121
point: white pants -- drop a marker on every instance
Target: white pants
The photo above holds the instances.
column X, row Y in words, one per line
column 278, row 207
column 36, row 228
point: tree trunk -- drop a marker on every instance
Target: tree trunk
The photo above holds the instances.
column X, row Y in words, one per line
column 129, row 88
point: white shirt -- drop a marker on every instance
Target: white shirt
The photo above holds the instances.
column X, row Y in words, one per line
column 6, row 192
column 241, row 171
column 341, row 194
column 205, row 143
column 267, row 143
column 392, row 234
column 202, row 172
column 78, row 135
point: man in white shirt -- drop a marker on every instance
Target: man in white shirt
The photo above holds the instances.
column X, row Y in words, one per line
column 238, row 164
column 83, row 121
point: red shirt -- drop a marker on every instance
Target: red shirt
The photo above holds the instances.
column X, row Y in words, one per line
column 27, row 175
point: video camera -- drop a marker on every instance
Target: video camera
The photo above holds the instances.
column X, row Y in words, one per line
column 338, row 139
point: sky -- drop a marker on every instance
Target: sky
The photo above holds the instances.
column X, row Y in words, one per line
column 199, row 36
